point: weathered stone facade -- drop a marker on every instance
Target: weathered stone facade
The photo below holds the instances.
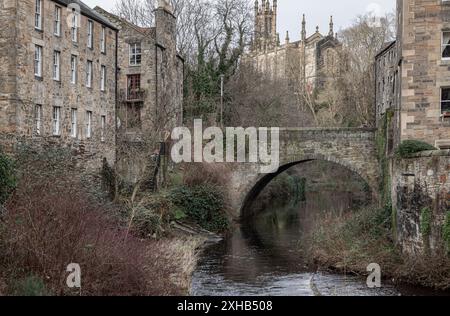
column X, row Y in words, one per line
column 150, row 83
column 309, row 61
column 422, row 67
column 421, row 184
column 351, row 148
column 49, row 108
column 64, row 81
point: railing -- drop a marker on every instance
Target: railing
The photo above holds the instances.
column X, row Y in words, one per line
column 132, row 95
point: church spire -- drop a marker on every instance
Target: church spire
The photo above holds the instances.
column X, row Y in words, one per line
column 304, row 28
column 331, row 33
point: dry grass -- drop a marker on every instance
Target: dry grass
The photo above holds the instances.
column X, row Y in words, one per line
column 350, row 242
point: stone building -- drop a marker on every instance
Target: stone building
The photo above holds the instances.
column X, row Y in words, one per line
column 75, row 78
column 57, row 78
column 420, row 103
column 150, row 86
column 309, row 61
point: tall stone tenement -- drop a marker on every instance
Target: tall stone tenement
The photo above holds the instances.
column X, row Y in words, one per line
column 150, row 83
column 413, row 75
column 309, row 61
column 413, row 103
column 85, row 80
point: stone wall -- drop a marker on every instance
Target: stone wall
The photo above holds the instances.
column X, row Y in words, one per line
column 350, row 148
column 421, row 185
column 47, row 92
column 423, row 70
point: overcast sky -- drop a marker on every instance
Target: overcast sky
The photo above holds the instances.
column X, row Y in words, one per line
column 317, row 13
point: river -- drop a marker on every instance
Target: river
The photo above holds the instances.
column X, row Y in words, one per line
column 264, row 257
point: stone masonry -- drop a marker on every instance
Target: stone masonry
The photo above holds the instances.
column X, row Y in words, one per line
column 351, row 148
column 309, row 61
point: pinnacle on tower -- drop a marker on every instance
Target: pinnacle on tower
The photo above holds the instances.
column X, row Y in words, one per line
column 287, row 37
column 331, row 33
column 304, row 28
column 317, row 29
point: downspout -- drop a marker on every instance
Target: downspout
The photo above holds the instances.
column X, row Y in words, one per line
column 116, row 98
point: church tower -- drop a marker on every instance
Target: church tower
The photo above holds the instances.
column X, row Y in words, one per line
column 265, row 36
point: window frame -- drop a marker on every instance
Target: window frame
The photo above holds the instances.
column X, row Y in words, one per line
column 88, row 124
column 73, row 69
column 56, row 121
column 74, row 123
column 442, row 101
column 103, row 128
column 90, row 30
column 103, row 40
column 74, row 26
column 103, row 78
column 57, row 21
column 38, row 52
column 135, row 54
column 444, row 45
column 38, row 119
column 38, row 15
column 56, row 65
column 89, row 73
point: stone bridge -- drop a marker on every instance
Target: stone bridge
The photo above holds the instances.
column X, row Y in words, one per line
column 352, row 148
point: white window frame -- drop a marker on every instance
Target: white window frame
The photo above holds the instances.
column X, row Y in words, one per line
column 38, row 119
column 90, row 29
column 89, row 66
column 56, row 121
column 88, row 124
column 73, row 69
column 57, row 25
column 74, row 123
column 444, row 45
column 133, row 54
column 103, row 78
column 57, row 65
column 443, row 101
column 38, row 15
column 38, row 60
column 103, row 127
column 74, row 26
column 103, row 40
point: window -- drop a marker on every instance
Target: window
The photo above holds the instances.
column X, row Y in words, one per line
column 88, row 124
column 446, row 45
column 89, row 74
column 38, row 61
column 90, row 34
column 56, row 121
column 56, row 65
column 103, row 40
column 74, row 27
column 38, row 118
column 133, row 87
column 445, row 101
column 57, row 26
column 103, row 124
column 135, row 54
column 103, row 78
column 73, row 69
column 73, row 123
column 38, row 15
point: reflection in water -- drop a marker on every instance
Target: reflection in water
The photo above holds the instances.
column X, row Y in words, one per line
column 265, row 257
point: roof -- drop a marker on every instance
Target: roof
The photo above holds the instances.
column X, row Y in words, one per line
column 87, row 11
column 113, row 18
column 386, row 46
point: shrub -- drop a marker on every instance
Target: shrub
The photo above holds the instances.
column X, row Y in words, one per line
column 196, row 174
column 446, row 231
column 409, row 147
column 7, row 177
column 30, row 286
column 202, row 203
column 425, row 222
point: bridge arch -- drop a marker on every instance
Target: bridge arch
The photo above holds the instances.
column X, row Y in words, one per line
column 260, row 182
column 351, row 148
